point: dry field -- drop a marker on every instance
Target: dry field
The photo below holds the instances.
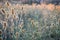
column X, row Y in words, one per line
column 29, row 22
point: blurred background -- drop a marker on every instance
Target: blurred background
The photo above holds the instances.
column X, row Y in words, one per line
column 56, row 2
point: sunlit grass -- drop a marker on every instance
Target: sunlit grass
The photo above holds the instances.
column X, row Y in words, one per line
column 30, row 22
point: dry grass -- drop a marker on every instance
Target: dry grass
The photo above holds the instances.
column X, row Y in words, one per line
column 34, row 20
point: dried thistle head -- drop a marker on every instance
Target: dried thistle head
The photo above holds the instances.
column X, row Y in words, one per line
column 32, row 21
column 7, row 4
column 5, row 24
column 12, row 11
column 3, row 10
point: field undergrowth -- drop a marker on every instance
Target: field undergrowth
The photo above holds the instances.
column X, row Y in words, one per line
column 29, row 22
